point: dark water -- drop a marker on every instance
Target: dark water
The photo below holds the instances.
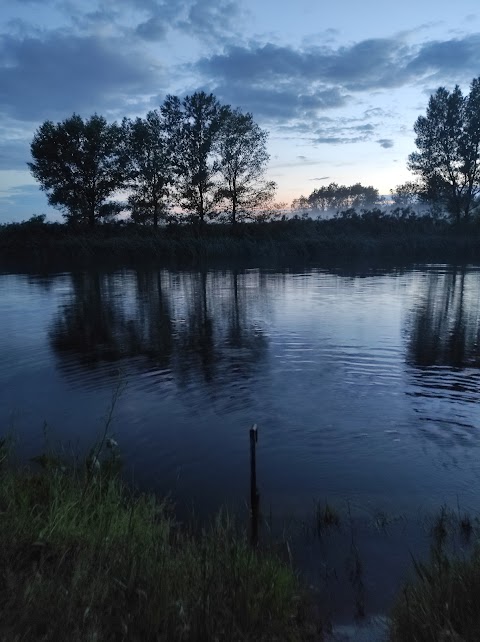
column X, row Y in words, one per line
column 365, row 387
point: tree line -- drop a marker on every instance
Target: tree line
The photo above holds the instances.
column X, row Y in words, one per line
column 208, row 161
column 446, row 164
column 195, row 154
column 336, row 197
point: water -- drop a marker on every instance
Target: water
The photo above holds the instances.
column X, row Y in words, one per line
column 365, row 387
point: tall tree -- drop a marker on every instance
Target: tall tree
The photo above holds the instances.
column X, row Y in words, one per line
column 80, row 164
column 448, row 158
column 243, row 157
column 194, row 124
column 151, row 167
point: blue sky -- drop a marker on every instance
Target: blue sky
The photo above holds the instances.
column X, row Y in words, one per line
column 339, row 87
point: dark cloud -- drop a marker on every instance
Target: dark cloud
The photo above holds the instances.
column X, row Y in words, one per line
column 458, row 57
column 379, row 63
column 59, row 74
column 293, row 86
column 153, row 29
column 212, row 19
column 321, row 178
column 371, row 63
column 209, row 20
column 386, row 143
column 288, row 101
column 368, row 127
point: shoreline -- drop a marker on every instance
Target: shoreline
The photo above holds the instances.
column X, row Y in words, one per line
column 72, row 525
column 280, row 242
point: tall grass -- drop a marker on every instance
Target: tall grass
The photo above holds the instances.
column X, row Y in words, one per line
column 440, row 602
column 84, row 558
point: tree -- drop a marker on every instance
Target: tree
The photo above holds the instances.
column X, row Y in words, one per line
column 241, row 146
column 448, row 158
column 151, row 167
column 194, row 124
column 80, row 164
column 336, row 197
column 407, row 194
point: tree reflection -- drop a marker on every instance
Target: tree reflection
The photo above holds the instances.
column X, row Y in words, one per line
column 197, row 325
column 445, row 329
column 91, row 326
column 218, row 342
column 151, row 329
column 196, row 345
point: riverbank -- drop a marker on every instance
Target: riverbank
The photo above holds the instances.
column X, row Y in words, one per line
column 371, row 235
column 84, row 556
column 82, row 552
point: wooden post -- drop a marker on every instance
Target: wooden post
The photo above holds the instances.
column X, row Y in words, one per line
column 254, row 494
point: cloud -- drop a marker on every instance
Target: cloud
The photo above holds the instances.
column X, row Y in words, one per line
column 321, row 178
column 386, row 143
column 457, row 58
column 205, row 20
column 280, row 103
column 152, row 29
column 52, row 77
column 376, row 63
column 213, row 19
column 370, row 63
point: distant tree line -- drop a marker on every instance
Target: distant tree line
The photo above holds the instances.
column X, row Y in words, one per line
column 336, row 197
column 447, row 160
column 194, row 155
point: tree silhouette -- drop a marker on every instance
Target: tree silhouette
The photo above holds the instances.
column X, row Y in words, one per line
column 448, row 158
column 194, row 124
column 151, row 168
column 80, row 164
column 241, row 146
column 336, row 197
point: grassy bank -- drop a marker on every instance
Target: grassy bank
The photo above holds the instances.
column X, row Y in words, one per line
column 440, row 601
column 353, row 236
column 83, row 558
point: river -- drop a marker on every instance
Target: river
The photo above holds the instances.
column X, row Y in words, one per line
column 364, row 386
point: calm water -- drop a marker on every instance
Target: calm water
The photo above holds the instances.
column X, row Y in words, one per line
column 365, row 387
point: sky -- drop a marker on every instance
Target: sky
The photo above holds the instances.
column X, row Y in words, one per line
column 338, row 86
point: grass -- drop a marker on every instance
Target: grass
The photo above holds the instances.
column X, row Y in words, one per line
column 352, row 235
column 440, row 602
column 326, row 517
column 82, row 557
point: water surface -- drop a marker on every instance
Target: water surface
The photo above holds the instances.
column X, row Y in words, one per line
column 365, row 387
